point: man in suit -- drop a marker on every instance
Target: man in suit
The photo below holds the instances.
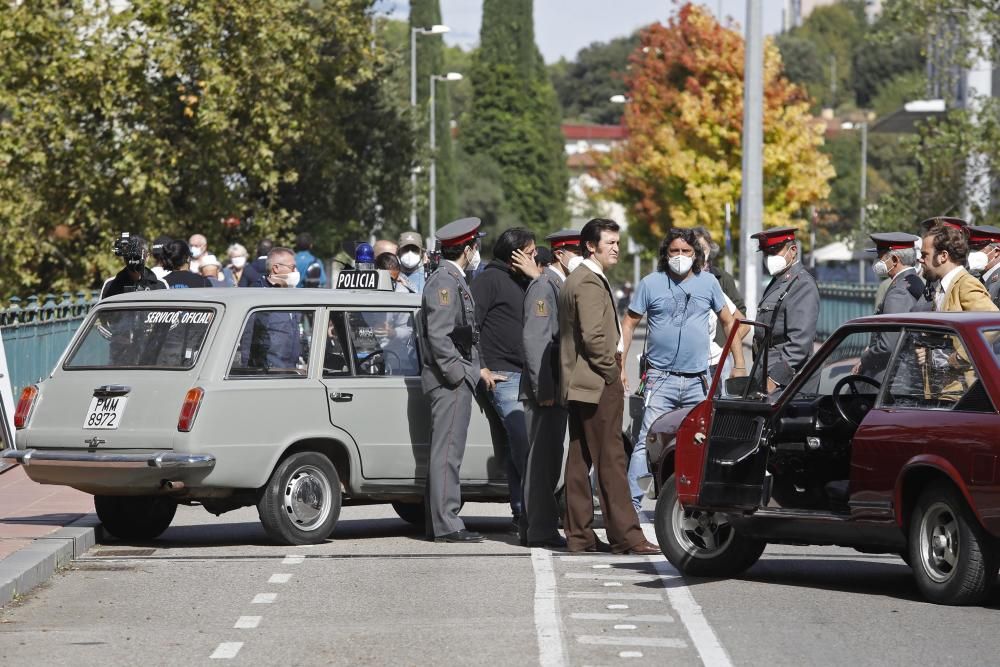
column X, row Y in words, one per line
column 546, row 419
column 926, row 303
column 896, row 257
column 943, row 254
column 449, row 376
column 790, row 305
column 591, row 388
column 984, row 258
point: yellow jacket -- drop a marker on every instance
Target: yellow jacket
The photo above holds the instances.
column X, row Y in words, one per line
column 966, row 293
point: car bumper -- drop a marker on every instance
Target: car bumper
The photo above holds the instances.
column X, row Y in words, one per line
column 36, row 457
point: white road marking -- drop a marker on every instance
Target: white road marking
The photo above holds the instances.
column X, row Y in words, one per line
column 617, row 606
column 617, row 577
column 625, row 626
column 601, row 566
column 279, row 578
column 247, row 622
column 548, row 627
column 638, row 618
column 293, row 559
column 630, row 654
column 614, row 596
column 603, row 558
column 604, row 640
column 264, row 598
column 705, row 640
column 612, row 584
column 226, row 651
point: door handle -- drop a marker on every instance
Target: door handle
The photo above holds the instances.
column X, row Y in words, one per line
column 341, row 397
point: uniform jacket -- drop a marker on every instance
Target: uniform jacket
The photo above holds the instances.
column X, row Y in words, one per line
column 540, row 339
column 967, row 293
column 992, row 284
column 588, row 337
column 905, row 289
column 447, row 303
column 794, row 330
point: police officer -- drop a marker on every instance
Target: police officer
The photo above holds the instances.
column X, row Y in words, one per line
column 790, row 305
column 896, row 259
column 539, row 391
column 925, row 303
column 449, row 376
column 135, row 277
column 984, row 258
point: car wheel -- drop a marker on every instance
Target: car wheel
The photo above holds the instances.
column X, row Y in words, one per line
column 702, row 544
column 953, row 561
column 135, row 517
column 410, row 512
column 301, row 502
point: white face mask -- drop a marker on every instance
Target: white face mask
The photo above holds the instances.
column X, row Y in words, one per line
column 775, row 264
column 680, row 264
column 410, row 259
column 573, row 262
column 880, row 269
column 288, row 279
column 196, row 252
column 239, row 262
column 474, row 260
column 977, row 262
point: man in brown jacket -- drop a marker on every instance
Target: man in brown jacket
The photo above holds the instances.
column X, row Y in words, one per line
column 591, row 388
column 943, row 257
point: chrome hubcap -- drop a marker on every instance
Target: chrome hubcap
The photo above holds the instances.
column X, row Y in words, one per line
column 307, row 497
column 939, row 542
column 701, row 534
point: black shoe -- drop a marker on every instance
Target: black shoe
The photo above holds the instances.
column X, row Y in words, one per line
column 598, row 547
column 515, row 525
column 461, row 536
column 556, row 542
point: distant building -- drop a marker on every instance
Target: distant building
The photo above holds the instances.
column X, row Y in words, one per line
column 581, row 141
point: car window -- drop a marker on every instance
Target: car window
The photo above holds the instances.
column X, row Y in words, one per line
column 163, row 338
column 274, row 343
column 842, row 360
column 337, row 353
column 933, row 371
column 384, row 343
column 992, row 338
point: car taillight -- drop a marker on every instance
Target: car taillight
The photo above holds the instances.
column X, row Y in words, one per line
column 192, row 401
column 25, row 406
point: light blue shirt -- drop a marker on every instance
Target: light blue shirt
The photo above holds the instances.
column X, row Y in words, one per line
column 677, row 319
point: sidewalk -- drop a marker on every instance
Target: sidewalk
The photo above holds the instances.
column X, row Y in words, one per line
column 42, row 528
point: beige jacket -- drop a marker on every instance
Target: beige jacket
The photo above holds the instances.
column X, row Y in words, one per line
column 588, row 337
column 966, row 293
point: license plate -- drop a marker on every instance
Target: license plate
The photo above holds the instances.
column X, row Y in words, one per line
column 105, row 412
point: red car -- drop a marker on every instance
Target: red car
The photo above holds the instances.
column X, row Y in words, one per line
column 887, row 441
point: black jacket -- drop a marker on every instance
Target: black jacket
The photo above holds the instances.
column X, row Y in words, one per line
column 499, row 296
column 122, row 283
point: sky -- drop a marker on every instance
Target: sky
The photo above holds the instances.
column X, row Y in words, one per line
column 563, row 27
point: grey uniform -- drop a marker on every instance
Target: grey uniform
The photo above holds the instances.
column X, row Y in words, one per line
column 546, row 424
column 449, row 376
column 992, row 283
column 905, row 289
column 791, row 302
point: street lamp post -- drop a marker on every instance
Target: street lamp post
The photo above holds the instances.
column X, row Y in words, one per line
column 752, row 196
column 414, row 32
column 450, row 76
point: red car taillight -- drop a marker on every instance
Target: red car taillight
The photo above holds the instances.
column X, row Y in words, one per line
column 192, row 401
column 25, row 406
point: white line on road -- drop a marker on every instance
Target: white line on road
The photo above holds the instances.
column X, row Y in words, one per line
column 226, row 651
column 611, row 584
column 604, row 640
column 617, row 606
column 247, row 622
column 279, row 578
column 630, row 654
column 625, row 626
column 293, row 559
column 637, row 618
column 548, row 627
column 264, row 598
column 614, row 596
column 616, row 577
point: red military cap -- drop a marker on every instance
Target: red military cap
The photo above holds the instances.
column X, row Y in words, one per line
column 885, row 242
column 770, row 238
column 459, row 232
column 564, row 238
column 947, row 221
column 981, row 235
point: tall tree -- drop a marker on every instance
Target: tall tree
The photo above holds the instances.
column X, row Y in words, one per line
column 586, row 85
column 681, row 163
column 431, row 60
column 514, row 116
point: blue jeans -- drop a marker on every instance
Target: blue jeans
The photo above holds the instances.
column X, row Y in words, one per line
column 663, row 393
column 511, row 412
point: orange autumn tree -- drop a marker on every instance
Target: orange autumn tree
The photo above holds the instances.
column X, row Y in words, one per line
column 682, row 161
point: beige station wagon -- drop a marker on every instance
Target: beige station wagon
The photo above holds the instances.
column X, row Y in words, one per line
column 295, row 401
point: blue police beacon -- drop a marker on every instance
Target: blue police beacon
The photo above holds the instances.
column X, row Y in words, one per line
column 364, row 257
column 364, row 277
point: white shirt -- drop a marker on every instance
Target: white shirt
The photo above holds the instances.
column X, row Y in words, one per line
column 942, row 289
column 599, row 270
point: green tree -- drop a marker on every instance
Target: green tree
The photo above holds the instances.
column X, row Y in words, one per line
column 586, row 85
column 514, row 116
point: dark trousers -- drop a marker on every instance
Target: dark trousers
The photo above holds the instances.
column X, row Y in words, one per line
column 595, row 438
column 546, row 433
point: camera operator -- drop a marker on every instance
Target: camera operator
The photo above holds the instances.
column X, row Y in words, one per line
column 135, row 277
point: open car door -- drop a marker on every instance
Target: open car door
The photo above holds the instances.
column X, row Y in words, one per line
column 722, row 445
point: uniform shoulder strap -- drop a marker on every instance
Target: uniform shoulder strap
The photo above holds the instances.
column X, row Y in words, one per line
column 914, row 285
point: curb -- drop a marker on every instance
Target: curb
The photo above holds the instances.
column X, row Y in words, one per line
column 26, row 568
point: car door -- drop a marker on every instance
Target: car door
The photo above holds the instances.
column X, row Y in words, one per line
column 722, row 444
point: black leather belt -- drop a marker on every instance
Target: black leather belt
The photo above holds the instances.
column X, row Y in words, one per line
column 684, row 375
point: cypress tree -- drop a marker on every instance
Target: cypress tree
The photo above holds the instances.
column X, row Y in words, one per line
column 430, row 60
column 515, row 116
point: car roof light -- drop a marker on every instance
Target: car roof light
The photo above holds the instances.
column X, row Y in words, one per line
column 189, row 410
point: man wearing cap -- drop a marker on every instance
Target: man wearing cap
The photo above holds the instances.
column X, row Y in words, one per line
column 449, row 377
column 411, row 259
column 789, row 305
column 591, row 388
column 984, row 258
column 539, row 390
column 943, row 254
column 896, row 258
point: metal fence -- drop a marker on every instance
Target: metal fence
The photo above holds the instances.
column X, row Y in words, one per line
column 840, row 302
column 36, row 331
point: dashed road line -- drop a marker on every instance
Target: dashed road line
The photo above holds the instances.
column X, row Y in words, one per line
column 577, row 595
column 226, row 651
column 630, row 654
column 247, row 622
column 264, row 598
column 625, row 626
column 279, row 578
column 635, row 618
column 652, row 642
column 551, row 648
column 616, row 577
column 293, row 559
column 617, row 606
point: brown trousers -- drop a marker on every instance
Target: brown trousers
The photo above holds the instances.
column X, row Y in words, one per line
column 595, row 438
